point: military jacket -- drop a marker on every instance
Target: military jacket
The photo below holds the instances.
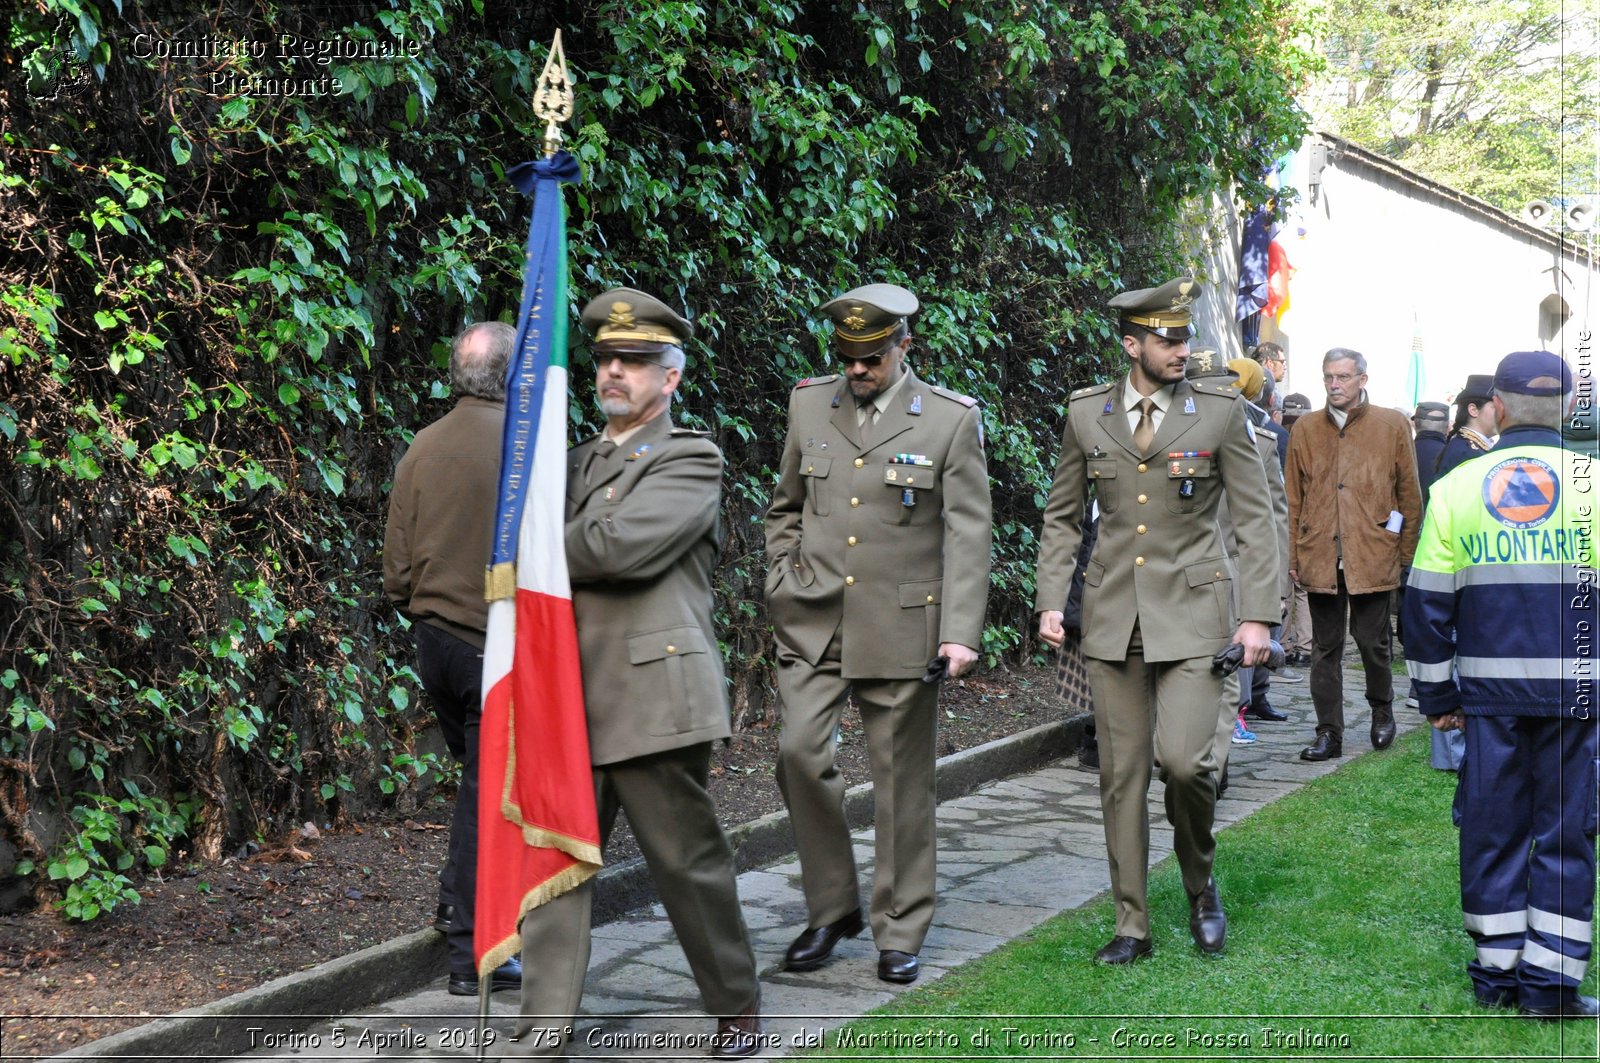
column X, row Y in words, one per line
column 643, row 533
column 1160, row 559
column 888, row 536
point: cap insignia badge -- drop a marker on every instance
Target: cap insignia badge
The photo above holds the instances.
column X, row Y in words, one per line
column 621, row 315
column 855, row 322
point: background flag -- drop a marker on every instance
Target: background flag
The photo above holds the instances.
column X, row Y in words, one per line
column 538, row 835
column 1416, row 368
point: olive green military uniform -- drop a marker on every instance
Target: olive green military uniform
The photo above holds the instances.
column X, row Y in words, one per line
column 879, row 552
column 643, row 533
column 1157, row 604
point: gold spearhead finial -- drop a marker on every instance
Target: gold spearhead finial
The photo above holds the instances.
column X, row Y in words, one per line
column 552, row 96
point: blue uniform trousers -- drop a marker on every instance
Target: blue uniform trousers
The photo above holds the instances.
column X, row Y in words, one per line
column 1526, row 805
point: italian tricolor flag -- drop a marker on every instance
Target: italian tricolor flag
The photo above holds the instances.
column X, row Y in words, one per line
column 537, row 836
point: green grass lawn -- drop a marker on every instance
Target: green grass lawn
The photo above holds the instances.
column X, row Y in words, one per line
column 1344, row 942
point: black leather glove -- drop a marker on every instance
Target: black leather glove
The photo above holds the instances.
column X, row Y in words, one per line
column 1228, row 661
column 936, row 669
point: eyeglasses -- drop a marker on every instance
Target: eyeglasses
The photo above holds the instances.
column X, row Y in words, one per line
column 1340, row 378
column 871, row 361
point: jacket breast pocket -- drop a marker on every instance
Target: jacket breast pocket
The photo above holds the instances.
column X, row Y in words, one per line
column 1210, row 598
column 1190, row 482
column 814, row 470
column 912, row 498
column 673, row 668
column 1103, row 475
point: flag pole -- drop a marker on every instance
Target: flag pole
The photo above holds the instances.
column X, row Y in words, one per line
column 553, row 104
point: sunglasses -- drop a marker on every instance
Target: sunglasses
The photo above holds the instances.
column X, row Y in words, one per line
column 871, row 361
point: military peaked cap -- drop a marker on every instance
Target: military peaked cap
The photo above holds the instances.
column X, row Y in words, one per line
column 865, row 318
column 1205, row 362
column 1478, row 389
column 627, row 321
column 1166, row 311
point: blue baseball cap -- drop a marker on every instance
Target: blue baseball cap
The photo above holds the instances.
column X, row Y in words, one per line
column 1533, row 373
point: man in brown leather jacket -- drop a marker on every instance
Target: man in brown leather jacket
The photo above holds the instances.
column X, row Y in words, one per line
column 1355, row 507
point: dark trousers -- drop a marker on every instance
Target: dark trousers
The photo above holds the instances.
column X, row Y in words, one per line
column 1368, row 618
column 452, row 674
column 1525, row 798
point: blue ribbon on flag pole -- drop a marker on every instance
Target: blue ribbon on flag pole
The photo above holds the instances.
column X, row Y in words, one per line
column 543, row 297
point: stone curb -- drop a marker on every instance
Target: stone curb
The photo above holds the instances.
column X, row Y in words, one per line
column 354, row 983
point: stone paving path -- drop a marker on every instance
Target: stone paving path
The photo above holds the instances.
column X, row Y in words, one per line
column 1011, row 855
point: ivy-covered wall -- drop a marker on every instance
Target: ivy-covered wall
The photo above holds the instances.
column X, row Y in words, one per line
column 228, row 289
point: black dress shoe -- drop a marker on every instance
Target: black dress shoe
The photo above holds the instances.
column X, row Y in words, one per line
column 1265, row 711
column 1326, row 747
column 1382, row 727
column 896, row 966
column 443, row 916
column 1573, row 1007
column 1208, row 923
column 1222, row 781
column 1123, row 950
column 738, row 1035
column 506, row 976
column 816, row 944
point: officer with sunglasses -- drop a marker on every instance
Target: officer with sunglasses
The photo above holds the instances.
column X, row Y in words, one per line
column 878, row 542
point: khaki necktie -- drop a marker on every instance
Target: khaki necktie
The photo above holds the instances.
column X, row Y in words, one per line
column 1144, row 433
column 866, row 417
column 598, row 456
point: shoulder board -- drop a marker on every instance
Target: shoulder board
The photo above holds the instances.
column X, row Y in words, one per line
column 1092, row 389
column 678, row 430
column 1220, row 386
column 953, row 396
column 812, row 381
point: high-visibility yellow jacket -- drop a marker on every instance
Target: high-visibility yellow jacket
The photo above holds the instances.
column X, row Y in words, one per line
column 1500, row 610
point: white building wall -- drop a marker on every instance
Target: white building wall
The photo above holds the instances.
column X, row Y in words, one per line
column 1383, row 254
